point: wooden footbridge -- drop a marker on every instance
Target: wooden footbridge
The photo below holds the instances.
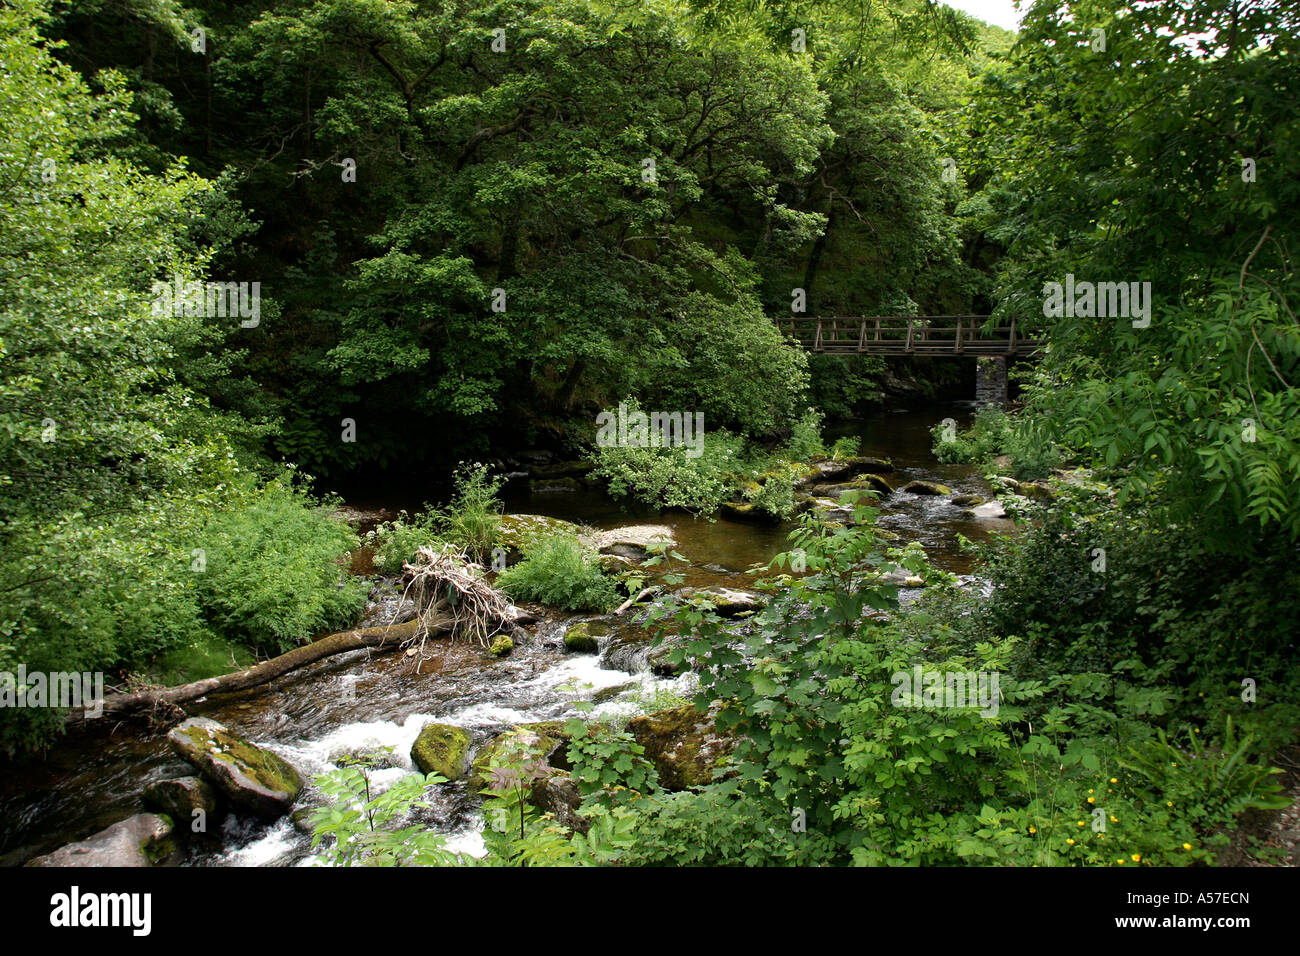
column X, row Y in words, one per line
column 906, row 335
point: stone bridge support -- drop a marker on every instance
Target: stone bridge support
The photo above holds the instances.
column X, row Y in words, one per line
column 991, row 381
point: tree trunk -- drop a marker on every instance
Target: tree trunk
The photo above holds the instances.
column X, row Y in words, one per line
column 384, row 638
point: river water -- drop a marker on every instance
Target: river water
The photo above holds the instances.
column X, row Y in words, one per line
column 360, row 701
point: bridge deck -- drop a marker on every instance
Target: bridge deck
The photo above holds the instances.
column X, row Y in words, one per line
column 905, row 335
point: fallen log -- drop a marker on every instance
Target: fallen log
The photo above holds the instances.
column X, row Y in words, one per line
column 386, row 638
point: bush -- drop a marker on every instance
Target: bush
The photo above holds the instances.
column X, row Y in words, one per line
column 273, row 570
column 560, row 572
column 994, row 433
column 805, row 438
column 668, row 477
column 472, row 518
column 395, row 542
column 1068, row 768
column 470, row 521
column 775, row 495
column 846, row 447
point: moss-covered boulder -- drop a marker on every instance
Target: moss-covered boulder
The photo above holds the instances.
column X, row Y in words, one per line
column 967, row 501
column 514, row 532
column 547, row 739
column 252, row 779
column 142, row 840
column 835, row 470
column 926, row 488
column 580, row 640
column 684, row 745
column 441, row 749
column 873, row 483
column 180, row 798
column 560, row 796
column 501, row 645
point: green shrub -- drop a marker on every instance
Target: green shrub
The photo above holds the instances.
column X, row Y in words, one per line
column 994, row 433
column 395, row 542
column 846, row 447
column 775, row 494
column 274, row 572
column 557, row 570
column 604, row 758
column 472, row 518
column 805, row 438
column 669, row 478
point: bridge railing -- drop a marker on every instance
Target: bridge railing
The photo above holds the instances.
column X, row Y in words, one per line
column 902, row 335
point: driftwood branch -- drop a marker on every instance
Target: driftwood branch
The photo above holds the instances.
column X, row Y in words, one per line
column 383, row 638
column 450, row 592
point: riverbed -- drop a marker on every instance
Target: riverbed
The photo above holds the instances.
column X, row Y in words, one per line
column 361, row 701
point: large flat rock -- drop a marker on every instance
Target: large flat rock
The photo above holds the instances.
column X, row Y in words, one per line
column 136, row 841
column 251, row 778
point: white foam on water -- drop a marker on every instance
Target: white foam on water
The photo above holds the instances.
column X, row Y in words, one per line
column 311, row 757
column 469, row 842
column 271, row 848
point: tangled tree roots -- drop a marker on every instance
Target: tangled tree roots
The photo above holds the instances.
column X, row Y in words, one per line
column 447, row 587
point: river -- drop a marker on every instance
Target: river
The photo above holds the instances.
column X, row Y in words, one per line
column 359, row 701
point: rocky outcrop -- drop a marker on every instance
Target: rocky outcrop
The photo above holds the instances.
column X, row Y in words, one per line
column 632, row 542
column 836, row 470
column 746, row 511
column 372, row 758
column 563, row 469
column 543, row 486
column 442, row 749
column 141, row 840
column 250, row 778
column 180, row 798
column 684, row 745
column 990, row 509
column 514, row 532
column 728, row 602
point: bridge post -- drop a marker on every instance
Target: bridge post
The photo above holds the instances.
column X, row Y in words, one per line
column 991, row 381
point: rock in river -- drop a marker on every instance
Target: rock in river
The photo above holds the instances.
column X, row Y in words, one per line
column 441, row 749
column 141, row 840
column 683, row 744
column 728, row 602
column 579, row 639
column 251, row 778
column 927, row 488
column 179, row 798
